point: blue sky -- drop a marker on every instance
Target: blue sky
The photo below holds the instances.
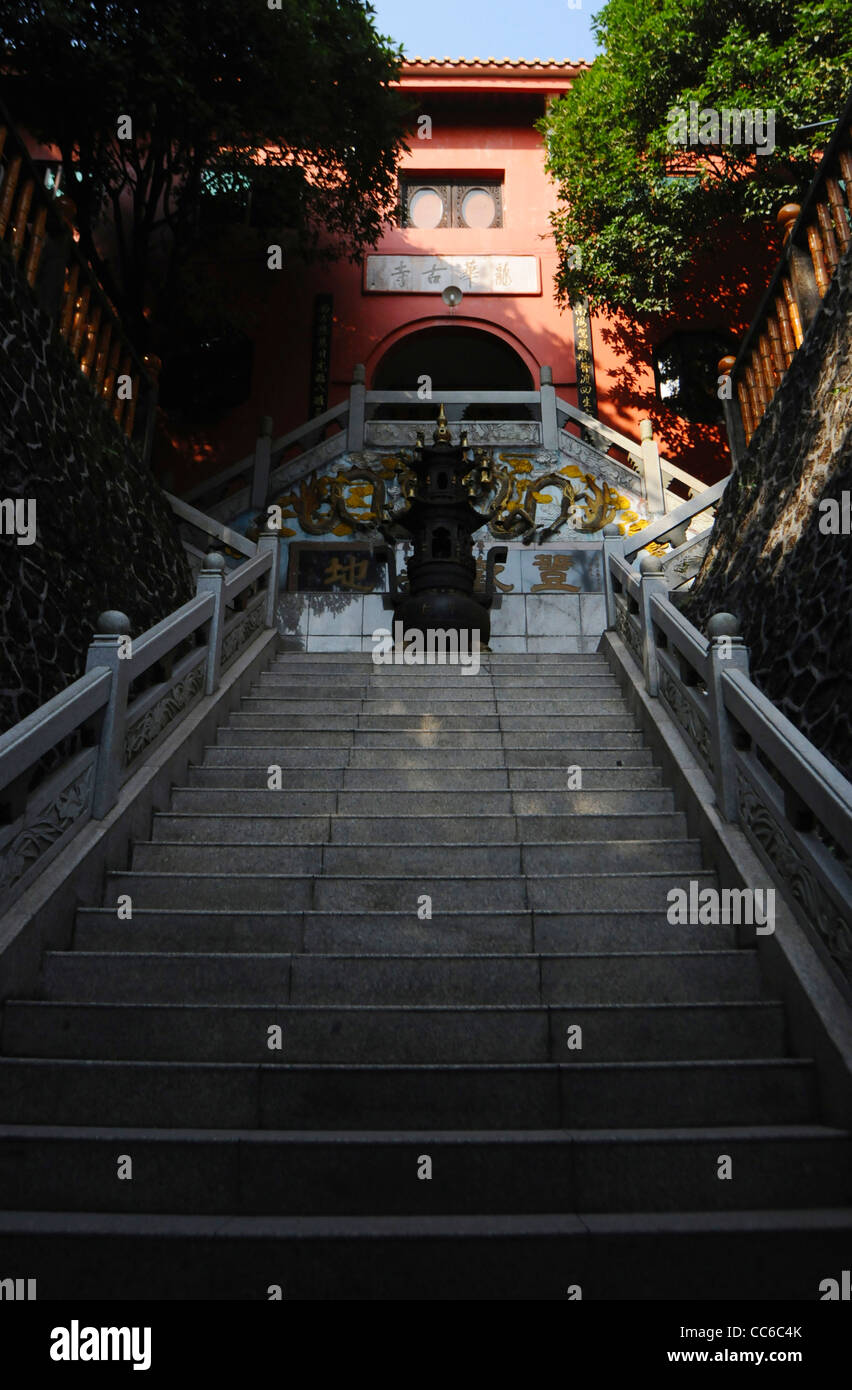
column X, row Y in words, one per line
column 489, row 28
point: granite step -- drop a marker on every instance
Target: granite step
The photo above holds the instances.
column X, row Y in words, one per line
column 242, row 1172
column 397, row 858
column 361, row 755
column 261, row 801
column 548, row 1095
column 771, row 1255
column 655, row 977
column 432, row 736
column 447, row 774
column 488, row 661
column 477, row 800
column 435, row 679
column 435, row 775
column 544, row 741
column 393, row 1034
column 281, row 828
column 588, row 892
column 585, row 714
column 218, row 929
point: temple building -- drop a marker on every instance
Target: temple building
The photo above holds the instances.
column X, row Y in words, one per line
column 474, row 212
column 455, row 308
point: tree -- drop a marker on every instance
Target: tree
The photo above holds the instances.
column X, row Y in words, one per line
column 635, row 207
column 275, row 115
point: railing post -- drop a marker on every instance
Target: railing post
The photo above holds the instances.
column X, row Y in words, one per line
column 613, row 544
column 53, row 267
column 109, row 647
column 802, row 274
column 732, row 413
column 154, row 366
column 357, row 409
column 652, row 582
column 211, row 580
column 549, row 418
column 655, row 493
column 271, row 541
column 262, row 464
column 728, row 652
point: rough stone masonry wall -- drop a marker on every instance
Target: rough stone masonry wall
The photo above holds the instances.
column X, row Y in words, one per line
column 105, row 537
column 768, row 562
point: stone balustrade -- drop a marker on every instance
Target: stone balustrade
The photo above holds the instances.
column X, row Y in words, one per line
column 66, row 763
column 793, row 805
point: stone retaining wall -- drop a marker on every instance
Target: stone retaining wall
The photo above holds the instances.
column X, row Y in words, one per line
column 769, row 562
column 105, row 536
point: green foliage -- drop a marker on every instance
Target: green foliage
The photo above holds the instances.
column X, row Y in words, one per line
column 224, row 85
column 633, row 212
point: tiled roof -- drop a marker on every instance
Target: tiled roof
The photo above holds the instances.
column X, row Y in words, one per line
column 495, row 62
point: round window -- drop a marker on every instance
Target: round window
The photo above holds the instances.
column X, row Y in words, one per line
column 425, row 208
column 479, row 208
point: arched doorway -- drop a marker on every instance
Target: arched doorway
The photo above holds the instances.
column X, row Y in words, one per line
column 456, row 359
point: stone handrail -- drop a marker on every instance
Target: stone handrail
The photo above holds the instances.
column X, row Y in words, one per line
column 111, row 727
column 60, row 716
column 210, row 526
column 253, row 482
column 675, row 521
column 793, row 805
column 463, row 398
column 36, row 229
column 255, row 469
column 816, row 234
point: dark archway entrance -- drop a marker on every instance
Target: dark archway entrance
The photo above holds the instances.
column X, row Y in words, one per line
column 456, row 359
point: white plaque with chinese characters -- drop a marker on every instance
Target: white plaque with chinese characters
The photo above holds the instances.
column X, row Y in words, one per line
column 472, row 274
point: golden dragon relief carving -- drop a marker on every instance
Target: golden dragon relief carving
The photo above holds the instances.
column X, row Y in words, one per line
column 356, row 499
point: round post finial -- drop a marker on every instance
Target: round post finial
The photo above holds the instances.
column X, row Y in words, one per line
column 724, row 625
column 787, row 218
column 113, row 623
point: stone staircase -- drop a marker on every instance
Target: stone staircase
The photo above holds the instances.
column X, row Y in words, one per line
column 405, row 1038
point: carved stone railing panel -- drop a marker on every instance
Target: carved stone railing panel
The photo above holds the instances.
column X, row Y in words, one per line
column 682, row 564
column 240, row 630
column 628, row 631
column 684, row 708
column 176, row 700
column 58, row 809
column 401, row 434
column 780, row 847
